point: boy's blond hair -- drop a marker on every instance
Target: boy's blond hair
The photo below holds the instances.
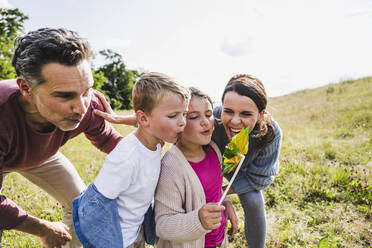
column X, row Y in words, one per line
column 151, row 87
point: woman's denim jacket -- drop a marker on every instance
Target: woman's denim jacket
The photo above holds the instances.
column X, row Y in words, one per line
column 97, row 224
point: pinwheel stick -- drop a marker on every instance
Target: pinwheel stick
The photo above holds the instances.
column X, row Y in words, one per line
column 232, row 179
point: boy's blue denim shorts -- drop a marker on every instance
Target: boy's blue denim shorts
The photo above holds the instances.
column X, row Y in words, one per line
column 96, row 220
column 97, row 223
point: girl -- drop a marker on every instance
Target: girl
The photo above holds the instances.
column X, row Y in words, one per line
column 186, row 212
column 244, row 102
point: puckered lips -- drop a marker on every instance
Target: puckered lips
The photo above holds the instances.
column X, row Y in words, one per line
column 76, row 121
column 206, row 132
column 179, row 134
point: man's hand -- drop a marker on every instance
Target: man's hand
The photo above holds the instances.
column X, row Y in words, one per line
column 55, row 235
column 52, row 234
column 111, row 116
column 210, row 215
column 230, row 216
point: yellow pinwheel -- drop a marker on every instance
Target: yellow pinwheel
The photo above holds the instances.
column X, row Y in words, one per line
column 237, row 147
column 234, row 156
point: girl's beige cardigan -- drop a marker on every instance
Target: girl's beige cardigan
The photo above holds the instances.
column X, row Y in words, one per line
column 178, row 198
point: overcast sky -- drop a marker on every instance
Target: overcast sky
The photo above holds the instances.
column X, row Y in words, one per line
column 289, row 44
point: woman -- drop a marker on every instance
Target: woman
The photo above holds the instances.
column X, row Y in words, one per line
column 190, row 184
column 244, row 102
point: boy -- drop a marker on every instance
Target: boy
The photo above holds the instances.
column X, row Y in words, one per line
column 130, row 173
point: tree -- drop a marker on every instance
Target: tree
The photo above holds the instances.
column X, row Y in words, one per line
column 120, row 80
column 11, row 24
column 99, row 80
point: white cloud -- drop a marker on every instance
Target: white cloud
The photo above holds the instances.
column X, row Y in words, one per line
column 118, row 45
column 235, row 48
column 364, row 12
column 5, row 4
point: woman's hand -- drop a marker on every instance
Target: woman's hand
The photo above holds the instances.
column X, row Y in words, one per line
column 111, row 116
column 230, row 216
column 210, row 215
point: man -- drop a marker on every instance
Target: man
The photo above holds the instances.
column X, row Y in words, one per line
column 50, row 102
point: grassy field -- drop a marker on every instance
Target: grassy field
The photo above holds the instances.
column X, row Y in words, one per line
column 323, row 190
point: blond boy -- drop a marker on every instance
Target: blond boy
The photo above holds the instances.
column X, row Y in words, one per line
column 130, row 172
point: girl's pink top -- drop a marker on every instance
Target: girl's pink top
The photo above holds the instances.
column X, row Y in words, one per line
column 210, row 175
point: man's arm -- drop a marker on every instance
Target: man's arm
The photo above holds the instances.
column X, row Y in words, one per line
column 52, row 234
column 100, row 132
column 10, row 214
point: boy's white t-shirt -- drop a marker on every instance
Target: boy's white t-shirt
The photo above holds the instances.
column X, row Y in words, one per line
column 130, row 174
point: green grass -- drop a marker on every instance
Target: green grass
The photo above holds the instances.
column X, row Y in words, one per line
column 323, row 190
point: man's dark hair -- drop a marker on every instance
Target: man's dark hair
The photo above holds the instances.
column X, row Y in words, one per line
column 37, row 48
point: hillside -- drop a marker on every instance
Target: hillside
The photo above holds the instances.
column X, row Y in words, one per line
column 324, row 185
column 323, row 188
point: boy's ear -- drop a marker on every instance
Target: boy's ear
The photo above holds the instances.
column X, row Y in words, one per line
column 24, row 87
column 142, row 118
